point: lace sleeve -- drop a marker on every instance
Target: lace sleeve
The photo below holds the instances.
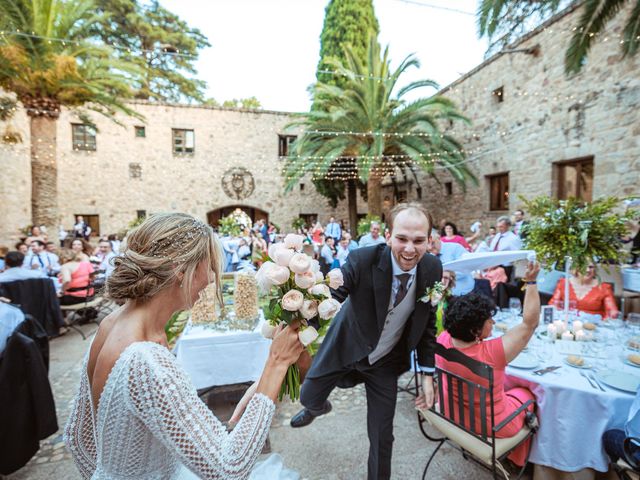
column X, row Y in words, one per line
column 163, row 398
column 79, row 435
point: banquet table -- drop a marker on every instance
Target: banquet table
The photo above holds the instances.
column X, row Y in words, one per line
column 573, row 414
column 213, row 358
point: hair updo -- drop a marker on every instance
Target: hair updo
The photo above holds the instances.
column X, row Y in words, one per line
column 155, row 252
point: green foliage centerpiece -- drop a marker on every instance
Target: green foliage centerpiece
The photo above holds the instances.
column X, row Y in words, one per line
column 302, row 297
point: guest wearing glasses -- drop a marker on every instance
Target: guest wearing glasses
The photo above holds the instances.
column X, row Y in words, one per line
column 590, row 295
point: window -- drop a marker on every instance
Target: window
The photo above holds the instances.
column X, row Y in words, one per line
column 141, row 132
column 498, row 95
column 135, row 170
column 310, row 219
column 284, row 142
column 574, row 178
column 184, row 141
column 141, row 213
column 302, row 187
column 83, row 137
column 448, row 188
column 499, row 191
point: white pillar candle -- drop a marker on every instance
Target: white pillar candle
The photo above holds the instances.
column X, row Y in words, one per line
column 567, row 336
column 552, row 331
column 580, row 336
column 559, row 324
column 577, row 326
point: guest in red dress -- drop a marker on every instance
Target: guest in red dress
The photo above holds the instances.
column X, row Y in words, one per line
column 468, row 324
column 449, row 233
column 591, row 295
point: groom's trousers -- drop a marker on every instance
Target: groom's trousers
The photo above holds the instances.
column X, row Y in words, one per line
column 381, row 382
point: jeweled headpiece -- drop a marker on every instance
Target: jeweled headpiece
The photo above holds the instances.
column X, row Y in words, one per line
column 177, row 240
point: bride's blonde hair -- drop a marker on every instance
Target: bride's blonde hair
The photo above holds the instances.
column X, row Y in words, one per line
column 155, row 252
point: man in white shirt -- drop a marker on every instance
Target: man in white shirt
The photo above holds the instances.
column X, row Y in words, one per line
column 448, row 252
column 342, row 250
column 104, row 256
column 505, row 240
column 519, row 227
column 14, row 271
column 373, row 237
column 40, row 259
column 333, row 230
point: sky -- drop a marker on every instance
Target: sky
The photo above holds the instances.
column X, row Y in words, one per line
column 270, row 48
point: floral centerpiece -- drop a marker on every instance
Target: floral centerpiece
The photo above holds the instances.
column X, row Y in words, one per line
column 301, row 296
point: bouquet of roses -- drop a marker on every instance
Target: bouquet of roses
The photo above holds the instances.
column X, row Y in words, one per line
column 302, row 296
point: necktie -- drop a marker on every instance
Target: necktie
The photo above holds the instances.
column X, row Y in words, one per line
column 40, row 260
column 497, row 243
column 402, row 291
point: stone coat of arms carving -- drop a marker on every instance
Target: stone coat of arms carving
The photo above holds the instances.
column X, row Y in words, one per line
column 238, row 183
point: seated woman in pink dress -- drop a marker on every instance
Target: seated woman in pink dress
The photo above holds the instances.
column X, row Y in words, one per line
column 449, row 233
column 468, row 324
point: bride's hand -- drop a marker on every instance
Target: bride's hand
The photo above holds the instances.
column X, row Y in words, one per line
column 242, row 404
column 286, row 347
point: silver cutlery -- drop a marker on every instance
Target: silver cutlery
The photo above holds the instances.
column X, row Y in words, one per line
column 546, row 370
column 588, row 380
column 595, row 379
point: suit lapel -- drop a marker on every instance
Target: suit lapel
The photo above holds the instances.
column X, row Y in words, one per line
column 382, row 273
column 421, row 310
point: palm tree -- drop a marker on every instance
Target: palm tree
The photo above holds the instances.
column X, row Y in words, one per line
column 47, row 62
column 506, row 17
column 366, row 129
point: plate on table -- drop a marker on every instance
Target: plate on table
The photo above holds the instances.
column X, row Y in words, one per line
column 620, row 381
column 634, row 343
column 525, row 361
column 572, row 361
column 633, row 360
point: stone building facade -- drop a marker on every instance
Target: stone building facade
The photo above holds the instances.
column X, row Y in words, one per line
column 134, row 169
column 535, row 131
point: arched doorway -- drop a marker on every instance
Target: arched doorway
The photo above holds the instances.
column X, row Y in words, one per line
column 214, row 216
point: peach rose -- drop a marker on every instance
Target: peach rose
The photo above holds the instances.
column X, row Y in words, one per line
column 315, row 265
column 262, row 278
column 293, row 241
column 335, row 278
column 319, row 277
column 273, row 249
column 293, row 300
column 328, row 308
column 307, row 336
column 278, row 274
column 300, row 263
column 305, row 280
column 309, row 309
column 284, row 256
column 267, row 330
column 320, row 289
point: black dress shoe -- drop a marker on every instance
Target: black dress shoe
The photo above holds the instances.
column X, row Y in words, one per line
column 304, row 417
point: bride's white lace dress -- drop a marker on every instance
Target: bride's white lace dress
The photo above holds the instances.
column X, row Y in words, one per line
column 151, row 424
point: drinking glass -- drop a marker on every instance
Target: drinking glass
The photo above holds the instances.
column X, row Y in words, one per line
column 515, row 306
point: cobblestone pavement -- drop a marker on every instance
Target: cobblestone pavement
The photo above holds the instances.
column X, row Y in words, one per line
column 334, row 447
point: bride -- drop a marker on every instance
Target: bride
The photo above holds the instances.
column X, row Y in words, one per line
column 136, row 413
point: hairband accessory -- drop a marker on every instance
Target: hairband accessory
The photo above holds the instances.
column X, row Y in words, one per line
column 178, row 240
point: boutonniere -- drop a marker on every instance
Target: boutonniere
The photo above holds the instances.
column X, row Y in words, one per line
column 433, row 294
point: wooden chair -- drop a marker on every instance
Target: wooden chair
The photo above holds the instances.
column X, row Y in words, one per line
column 627, row 468
column 450, row 420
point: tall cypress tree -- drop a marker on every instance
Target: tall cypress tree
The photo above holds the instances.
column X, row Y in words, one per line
column 346, row 22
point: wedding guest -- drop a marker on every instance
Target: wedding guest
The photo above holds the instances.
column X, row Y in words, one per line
column 489, row 238
column 520, row 224
column 448, row 252
column 62, row 235
column 40, row 259
column 36, row 233
column 105, row 256
column 115, row 243
column 150, row 403
column 449, row 234
column 22, row 247
column 373, row 237
column 258, row 249
column 13, row 270
column 590, row 295
column 81, row 229
column 474, row 239
column 3, row 253
column 316, row 233
column 505, row 240
column 82, row 249
column 468, row 325
column 327, row 255
column 333, row 229
column 495, row 275
column 75, row 274
column 342, row 251
column 613, row 440
column 51, row 247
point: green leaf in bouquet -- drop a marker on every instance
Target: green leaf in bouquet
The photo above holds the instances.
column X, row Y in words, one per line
column 175, row 326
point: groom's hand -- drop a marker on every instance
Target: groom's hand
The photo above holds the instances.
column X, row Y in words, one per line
column 427, row 396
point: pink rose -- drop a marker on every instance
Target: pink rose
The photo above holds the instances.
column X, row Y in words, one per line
column 319, row 277
column 335, row 278
column 320, row 289
column 293, row 300
column 307, row 336
column 278, row 274
column 315, row 265
column 300, row 263
column 309, row 309
column 267, row 330
column 305, row 280
column 273, row 249
column 293, row 241
column 284, row 256
column 262, row 278
column 328, row 308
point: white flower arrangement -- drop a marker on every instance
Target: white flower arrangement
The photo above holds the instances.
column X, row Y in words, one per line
column 433, row 295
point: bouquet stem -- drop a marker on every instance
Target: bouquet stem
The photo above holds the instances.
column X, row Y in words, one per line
column 291, row 384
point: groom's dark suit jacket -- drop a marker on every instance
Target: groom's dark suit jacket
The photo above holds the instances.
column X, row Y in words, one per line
column 356, row 330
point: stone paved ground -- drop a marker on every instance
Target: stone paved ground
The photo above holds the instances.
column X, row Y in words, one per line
column 334, row 447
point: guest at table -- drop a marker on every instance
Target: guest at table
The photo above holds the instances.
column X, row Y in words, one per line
column 613, row 440
column 333, row 229
column 448, row 252
column 449, row 234
column 373, row 237
column 468, row 324
column 316, row 233
column 342, row 251
column 590, row 295
column 22, row 247
column 40, row 259
column 82, row 249
column 13, row 269
column 352, row 244
column 75, row 273
column 327, row 255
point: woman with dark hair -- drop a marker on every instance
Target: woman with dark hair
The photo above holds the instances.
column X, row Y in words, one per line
column 449, row 233
column 468, row 325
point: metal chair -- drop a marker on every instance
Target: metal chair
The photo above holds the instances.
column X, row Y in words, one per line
column 627, row 468
column 478, row 443
column 95, row 301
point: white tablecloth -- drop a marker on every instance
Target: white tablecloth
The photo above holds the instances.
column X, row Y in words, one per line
column 212, row 358
column 573, row 415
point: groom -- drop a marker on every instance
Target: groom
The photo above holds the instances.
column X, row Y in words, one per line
column 380, row 323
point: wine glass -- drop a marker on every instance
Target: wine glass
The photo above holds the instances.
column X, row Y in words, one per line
column 515, row 306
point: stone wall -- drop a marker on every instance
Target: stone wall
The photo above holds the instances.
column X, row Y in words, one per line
column 545, row 117
column 100, row 182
